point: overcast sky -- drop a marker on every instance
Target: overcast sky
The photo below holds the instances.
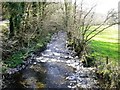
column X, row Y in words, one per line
column 102, row 5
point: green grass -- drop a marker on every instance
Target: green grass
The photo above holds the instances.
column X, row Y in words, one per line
column 108, row 35
column 106, row 43
column 105, row 49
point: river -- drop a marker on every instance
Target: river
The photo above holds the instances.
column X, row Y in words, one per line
column 55, row 67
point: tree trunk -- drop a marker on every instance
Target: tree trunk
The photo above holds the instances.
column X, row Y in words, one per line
column 11, row 28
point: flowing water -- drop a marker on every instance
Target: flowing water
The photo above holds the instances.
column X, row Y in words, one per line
column 56, row 67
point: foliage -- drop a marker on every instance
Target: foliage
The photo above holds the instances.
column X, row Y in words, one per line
column 15, row 59
column 28, row 29
column 109, row 72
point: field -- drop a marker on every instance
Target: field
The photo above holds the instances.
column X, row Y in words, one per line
column 106, row 43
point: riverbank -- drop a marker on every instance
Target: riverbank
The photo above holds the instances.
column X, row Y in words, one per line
column 55, row 67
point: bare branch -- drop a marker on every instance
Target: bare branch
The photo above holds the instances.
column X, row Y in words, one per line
column 100, row 31
column 81, row 13
column 107, row 18
column 89, row 12
column 88, row 25
column 84, row 18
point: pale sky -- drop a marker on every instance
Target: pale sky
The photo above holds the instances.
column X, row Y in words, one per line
column 102, row 5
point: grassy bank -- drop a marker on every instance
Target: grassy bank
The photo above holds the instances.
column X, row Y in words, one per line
column 106, row 43
column 105, row 51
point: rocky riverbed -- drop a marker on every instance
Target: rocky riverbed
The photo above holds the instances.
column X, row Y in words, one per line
column 55, row 67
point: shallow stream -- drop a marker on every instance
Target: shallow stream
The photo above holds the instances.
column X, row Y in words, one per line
column 55, row 67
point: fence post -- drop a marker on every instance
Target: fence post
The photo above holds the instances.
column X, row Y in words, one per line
column 106, row 59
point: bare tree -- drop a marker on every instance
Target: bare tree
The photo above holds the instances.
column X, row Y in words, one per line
column 67, row 13
column 83, row 23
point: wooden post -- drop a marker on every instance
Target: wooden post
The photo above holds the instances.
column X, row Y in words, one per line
column 107, row 60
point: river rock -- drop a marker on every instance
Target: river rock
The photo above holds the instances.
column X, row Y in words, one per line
column 35, row 63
